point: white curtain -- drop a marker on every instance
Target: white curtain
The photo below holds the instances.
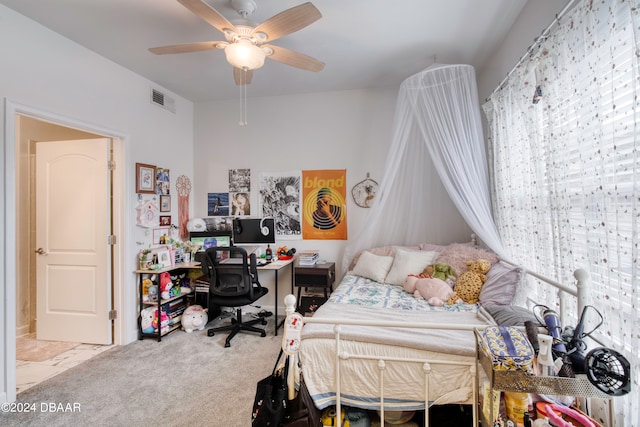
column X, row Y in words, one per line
column 566, row 166
column 437, row 127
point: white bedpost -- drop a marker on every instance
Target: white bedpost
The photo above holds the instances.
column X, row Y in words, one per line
column 582, row 285
column 290, row 307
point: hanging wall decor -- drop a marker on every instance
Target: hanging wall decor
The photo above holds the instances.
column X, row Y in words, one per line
column 183, row 185
column 364, row 192
column 145, row 179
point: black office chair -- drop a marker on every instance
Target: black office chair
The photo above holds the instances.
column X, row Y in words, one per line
column 233, row 282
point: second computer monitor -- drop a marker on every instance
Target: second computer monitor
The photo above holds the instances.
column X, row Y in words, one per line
column 253, row 231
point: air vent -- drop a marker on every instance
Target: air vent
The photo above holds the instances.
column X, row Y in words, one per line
column 162, row 100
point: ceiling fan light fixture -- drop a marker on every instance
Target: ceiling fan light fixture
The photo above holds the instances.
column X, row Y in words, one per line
column 244, row 55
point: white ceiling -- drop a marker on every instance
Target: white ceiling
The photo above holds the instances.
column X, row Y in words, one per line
column 364, row 43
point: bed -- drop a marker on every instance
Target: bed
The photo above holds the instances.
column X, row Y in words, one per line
column 374, row 346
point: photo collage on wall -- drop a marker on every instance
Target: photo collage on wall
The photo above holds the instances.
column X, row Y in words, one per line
column 237, row 200
column 304, row 204
column 153, row 186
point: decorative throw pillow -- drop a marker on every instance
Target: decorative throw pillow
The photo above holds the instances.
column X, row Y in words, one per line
column 501, row 284
column 408, row 262
column 384, row 251
column 510, row 315
column 457, row 255
column 372, row 266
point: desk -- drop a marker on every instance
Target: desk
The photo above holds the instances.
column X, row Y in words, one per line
column 276, row 266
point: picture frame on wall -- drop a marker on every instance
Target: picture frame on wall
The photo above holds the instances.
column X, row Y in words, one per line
column 145, row 178
column 160, row 235
column 165, row 203
column 165, row 220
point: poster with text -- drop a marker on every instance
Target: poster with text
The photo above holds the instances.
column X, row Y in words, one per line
column 280, row 199
column 324, row 204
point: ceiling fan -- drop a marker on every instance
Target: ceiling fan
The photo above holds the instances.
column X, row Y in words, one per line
column 245, row 47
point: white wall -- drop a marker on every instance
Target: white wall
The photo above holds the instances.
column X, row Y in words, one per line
column 349, row 130
column 46, row 72
column 534, row 18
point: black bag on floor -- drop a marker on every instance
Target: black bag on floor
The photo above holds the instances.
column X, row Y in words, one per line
column 301, row 411
column 270, row 403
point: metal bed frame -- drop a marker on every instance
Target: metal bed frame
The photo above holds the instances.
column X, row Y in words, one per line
column 580, row 292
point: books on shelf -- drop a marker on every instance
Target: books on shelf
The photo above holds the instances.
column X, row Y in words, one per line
column 308, row 257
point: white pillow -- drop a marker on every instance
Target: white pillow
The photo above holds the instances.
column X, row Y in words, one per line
column 408, row 262
column 372, row 266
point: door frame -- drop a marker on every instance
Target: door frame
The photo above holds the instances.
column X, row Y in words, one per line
column 7, row 252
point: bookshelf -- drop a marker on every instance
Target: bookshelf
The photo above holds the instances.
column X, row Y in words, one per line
column 172, row 307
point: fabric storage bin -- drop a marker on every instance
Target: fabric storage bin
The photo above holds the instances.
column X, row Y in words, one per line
column 508, row 348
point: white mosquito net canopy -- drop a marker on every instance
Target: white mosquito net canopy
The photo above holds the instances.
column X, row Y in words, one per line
column 437, row 149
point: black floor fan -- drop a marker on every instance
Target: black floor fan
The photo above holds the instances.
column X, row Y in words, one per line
column 606, row 369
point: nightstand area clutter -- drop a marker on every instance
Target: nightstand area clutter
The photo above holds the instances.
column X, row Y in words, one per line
column 318, row 276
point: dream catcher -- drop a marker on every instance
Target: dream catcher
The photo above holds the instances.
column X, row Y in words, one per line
column 364, row 192
column 183, row 185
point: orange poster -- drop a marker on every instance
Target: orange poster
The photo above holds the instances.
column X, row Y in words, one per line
column 324, row 204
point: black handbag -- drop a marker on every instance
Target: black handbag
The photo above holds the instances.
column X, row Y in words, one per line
column 270, row 403
column 301, row 411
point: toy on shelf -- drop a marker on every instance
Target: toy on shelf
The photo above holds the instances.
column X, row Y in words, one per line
column 164, row 322
column 146, row 320
column 165, row 285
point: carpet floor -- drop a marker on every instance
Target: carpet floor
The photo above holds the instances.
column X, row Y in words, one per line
column 186, row 379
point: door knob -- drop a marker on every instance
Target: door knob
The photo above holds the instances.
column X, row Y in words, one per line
column 40, row 251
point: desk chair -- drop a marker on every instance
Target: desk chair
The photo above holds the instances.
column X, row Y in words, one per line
column 233, row 285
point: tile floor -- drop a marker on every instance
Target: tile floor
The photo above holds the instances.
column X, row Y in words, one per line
column 29, row 374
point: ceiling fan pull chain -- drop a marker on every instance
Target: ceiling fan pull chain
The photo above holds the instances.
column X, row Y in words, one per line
column 243, row 99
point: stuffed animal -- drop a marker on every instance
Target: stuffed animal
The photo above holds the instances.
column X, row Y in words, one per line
column 164, row 321
column 165, row 285
column 194, row 318
column 435, row 291
column 441, row 271
column 152, row 293
column 146, row 320
column 469, row 283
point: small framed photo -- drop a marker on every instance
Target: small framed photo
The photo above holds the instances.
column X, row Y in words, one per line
column 145, row 178
column 160, row 235
column 165, row 203
column 164, row 259
column 165, row 220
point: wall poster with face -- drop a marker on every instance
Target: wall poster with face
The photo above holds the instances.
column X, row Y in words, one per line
column 324, row 204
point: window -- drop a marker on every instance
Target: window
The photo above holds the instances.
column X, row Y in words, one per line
column 566, row 168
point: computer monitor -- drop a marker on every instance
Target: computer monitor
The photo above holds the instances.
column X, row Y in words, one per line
column 210, row 239
column 253, row 231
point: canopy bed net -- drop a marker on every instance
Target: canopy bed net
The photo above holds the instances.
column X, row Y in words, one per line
column 375, row 343
column 437, row 126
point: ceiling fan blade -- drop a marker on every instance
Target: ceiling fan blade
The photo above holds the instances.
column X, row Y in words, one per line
column 288, row 21
column 209, row 14
column 293, row 58
column 242, row 77
column 187, row 47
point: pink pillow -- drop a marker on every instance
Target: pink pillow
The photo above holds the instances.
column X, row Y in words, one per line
column 457, row 255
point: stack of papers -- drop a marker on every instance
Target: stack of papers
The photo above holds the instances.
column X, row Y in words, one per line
column 309, row 257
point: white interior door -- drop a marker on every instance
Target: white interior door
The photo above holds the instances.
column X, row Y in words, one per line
column 73, row 253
